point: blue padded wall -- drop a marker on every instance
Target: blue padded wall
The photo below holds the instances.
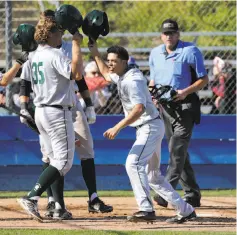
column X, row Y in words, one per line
column 212, row 151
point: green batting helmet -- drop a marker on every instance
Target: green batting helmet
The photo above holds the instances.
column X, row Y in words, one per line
column 68, row 18
column 95, row 23
column 24, row 36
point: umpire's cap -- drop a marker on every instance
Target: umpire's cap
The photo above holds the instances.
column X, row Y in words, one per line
column 95, row 23
column 24, row 36
column 169, row 25
column 68, row 18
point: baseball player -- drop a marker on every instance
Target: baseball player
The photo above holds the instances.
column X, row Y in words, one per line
column 143, row 161
column 81, row 119
column 85, row 147
column 23, row 36
column 52, row 73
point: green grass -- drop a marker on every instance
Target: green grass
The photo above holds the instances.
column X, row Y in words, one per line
column 93, row 232
column 205, row 193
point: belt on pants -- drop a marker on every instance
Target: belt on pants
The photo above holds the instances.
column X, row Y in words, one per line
column 137, row 127
column 57, row 106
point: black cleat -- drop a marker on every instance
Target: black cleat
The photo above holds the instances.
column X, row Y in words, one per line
column 31, row 207
column 160, row 201
column 142, row 216
column 97, row 206
column 194, row 202
column 49, row 209
column 180, row 220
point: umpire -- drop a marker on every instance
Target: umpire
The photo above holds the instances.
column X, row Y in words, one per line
column 180, row 65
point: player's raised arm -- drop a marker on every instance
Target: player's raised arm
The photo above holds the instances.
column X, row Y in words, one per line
column 9, row 75
column 77, row 64
column 104, row 69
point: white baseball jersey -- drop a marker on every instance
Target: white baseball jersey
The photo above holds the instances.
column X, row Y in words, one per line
column 26, row 73
column 132, row 89
column 66, row 48
column 50, row 71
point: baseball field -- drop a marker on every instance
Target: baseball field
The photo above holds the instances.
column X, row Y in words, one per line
column 217, row 215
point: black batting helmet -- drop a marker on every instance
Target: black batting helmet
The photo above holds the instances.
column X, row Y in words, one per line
column 68, row 18
column 24, row 36
column 95, row 23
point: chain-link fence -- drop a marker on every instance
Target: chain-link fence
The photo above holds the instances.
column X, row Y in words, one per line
column 211, row 25
column 2, row 33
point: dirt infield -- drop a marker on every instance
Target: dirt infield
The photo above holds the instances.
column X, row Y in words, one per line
column 216, row 214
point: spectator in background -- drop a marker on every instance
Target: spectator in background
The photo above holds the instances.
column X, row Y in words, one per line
column 2, row 92
column 223, row 87
column 97, row 86
column 132, row 63
column 3, row 112
column 2, row 96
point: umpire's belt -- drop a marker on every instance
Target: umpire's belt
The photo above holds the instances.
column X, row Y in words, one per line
column 57, row 106
column 137, row 127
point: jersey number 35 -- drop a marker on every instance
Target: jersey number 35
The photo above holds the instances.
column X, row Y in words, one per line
column 38, row 75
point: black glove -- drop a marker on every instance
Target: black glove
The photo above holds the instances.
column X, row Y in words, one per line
column 32, row 125
column 23, row 58
column 27, row 118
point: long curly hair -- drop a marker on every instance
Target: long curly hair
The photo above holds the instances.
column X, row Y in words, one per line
column 43, row 28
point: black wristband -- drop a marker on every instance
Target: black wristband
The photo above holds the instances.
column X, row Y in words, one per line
column 23, row 58
column 24, row 105
column 82, row 86
column 88, row 102
column 19, row 61
column 25, row 88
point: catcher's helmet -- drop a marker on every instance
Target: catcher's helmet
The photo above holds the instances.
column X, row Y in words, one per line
column 95, row 23
column 24, row 36
column 68, row 18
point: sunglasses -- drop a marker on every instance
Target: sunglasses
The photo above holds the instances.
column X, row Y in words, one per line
column 95, row 72
column 169, row 33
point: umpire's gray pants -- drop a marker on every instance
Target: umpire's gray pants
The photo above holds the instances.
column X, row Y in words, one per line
column 178, row 130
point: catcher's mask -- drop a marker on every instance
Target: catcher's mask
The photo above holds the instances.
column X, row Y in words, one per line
column 24, row 36
column 159, row 93
column 95, row 23
column 68, row 18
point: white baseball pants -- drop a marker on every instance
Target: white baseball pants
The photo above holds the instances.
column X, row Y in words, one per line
column 143, row 169
column 57, row 134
